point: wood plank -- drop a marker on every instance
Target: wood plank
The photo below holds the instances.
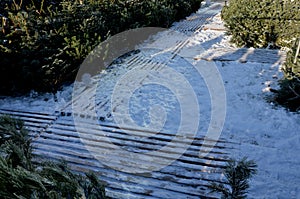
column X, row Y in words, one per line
column 244, row 55
column 91, row 133
column 95, row 124
column 27, row 113
column 186, row 161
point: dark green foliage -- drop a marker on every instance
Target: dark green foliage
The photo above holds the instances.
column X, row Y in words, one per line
column 292, row 66
column 237, row 174
column 93, row 188
column 289, row 93
column 15, row 142
column 43, row 43
column 17, row 182
column 272, row 23
column 259, row 23
column 19, row 178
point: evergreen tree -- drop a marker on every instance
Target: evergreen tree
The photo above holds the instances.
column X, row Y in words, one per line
column 237, row 174
column 20, row 178
column 262, row 23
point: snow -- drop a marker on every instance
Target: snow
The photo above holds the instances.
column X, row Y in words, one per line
column 37, row 102
column 267, row 134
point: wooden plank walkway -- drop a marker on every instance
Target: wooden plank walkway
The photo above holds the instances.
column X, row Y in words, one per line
column 55, row 137
column 197, row 20
column 187, row 177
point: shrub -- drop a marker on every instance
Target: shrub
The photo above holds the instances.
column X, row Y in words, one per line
column 15, row 142
column 269, row 23
column 259, row 23
column 289, row 93
column 42, row 45
column 20, row 178
column 237, row 174
column 291, row 67
column 43, row 42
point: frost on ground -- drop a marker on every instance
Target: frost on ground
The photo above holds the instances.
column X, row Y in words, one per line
column 266, row 133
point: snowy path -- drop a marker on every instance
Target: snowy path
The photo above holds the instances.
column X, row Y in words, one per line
column 253, row 126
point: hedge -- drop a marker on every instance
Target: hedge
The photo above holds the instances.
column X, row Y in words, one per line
column 43, row 43
column 289, row 93
column 272, row 24
column 262, row 23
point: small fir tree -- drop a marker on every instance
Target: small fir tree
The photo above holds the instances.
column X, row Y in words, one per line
column 237, row 174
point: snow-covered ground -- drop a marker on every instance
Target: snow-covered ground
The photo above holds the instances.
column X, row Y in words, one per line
column 266, row 133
